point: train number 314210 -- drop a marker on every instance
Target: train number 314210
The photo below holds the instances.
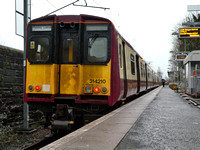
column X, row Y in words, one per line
column 98, row 81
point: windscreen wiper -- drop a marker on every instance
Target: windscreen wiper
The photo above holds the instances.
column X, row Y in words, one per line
column 91, row 42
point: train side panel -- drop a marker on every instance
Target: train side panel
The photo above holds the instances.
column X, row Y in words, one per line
column 121, row 66
column 131, row 67
column 143, row 79
column 149, row 78
column 116, row 83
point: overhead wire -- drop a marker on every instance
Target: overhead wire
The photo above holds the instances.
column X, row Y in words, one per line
column 62, row 7
column 54, row 6
column 113, row 20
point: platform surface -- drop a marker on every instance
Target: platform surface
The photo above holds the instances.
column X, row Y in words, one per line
column 170, row 122
column 106, row 132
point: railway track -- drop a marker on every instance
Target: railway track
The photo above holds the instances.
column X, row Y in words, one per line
column 55, row 137
column 44, row 142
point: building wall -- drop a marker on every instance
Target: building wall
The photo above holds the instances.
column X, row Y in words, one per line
column 11, row 85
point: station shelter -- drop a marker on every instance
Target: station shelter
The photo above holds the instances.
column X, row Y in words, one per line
column 192, row 73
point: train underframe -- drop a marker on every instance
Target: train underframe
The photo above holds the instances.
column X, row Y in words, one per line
column 69, row 116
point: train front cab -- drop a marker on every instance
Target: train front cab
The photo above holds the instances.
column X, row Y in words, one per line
column 69, row 62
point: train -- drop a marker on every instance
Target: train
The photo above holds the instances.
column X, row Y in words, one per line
column 78, row 65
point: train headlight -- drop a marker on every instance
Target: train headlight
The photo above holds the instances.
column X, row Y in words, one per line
column 104, row 90
column 96, row 89
column 37, row 88
column 88, row 89
column 31, row 88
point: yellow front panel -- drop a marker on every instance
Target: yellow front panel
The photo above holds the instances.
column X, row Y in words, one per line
column 46, row 76
column 75, row 78
column 96, row 75
column 69, row 79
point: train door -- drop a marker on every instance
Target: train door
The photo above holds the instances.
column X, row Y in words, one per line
column 146, row 74
column 68, row 63
column 124, row 69
column 138, row 73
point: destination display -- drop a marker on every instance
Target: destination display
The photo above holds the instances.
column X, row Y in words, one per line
column 180, row 57
column 193, row 32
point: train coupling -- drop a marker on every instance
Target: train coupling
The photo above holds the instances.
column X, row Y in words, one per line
column 63, row 119
column 59, row 124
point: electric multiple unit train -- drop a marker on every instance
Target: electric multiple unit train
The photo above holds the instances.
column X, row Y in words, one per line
column 78, row 64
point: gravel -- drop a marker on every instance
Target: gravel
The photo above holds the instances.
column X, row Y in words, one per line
column 11, row 140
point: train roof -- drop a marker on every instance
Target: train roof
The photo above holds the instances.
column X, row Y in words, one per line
column 77, row 18
column 192, row 56
column 70, row 18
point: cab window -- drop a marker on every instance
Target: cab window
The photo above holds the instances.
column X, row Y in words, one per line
column 97, row 49
column 39, row 49
column 97, row 44
column 69, row 48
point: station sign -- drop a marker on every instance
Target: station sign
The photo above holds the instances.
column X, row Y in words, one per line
column 192, row 32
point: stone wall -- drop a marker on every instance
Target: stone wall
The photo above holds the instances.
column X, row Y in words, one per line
column 11, row 85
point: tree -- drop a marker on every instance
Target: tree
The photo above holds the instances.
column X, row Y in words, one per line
column 180, row 45
column 191, row 44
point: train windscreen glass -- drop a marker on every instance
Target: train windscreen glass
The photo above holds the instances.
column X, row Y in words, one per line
column 97, row 41
column 69, row 50
column 97, row 49
column 39, row 49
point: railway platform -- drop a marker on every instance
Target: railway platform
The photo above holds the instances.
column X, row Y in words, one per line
column 160, row 119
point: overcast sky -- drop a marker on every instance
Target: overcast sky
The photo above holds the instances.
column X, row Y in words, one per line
column 146, row 24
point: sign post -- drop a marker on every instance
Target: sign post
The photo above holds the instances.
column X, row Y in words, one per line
column 25, row 107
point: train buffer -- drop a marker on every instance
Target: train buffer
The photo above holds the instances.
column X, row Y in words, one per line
column 161, row 119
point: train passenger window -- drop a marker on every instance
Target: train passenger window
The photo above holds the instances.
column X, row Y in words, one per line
column 68, row 50
column 144, row 70
column 149, row 74
column 141, row 68
column 132, row 64
column 39, row 49
column 97, row 49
